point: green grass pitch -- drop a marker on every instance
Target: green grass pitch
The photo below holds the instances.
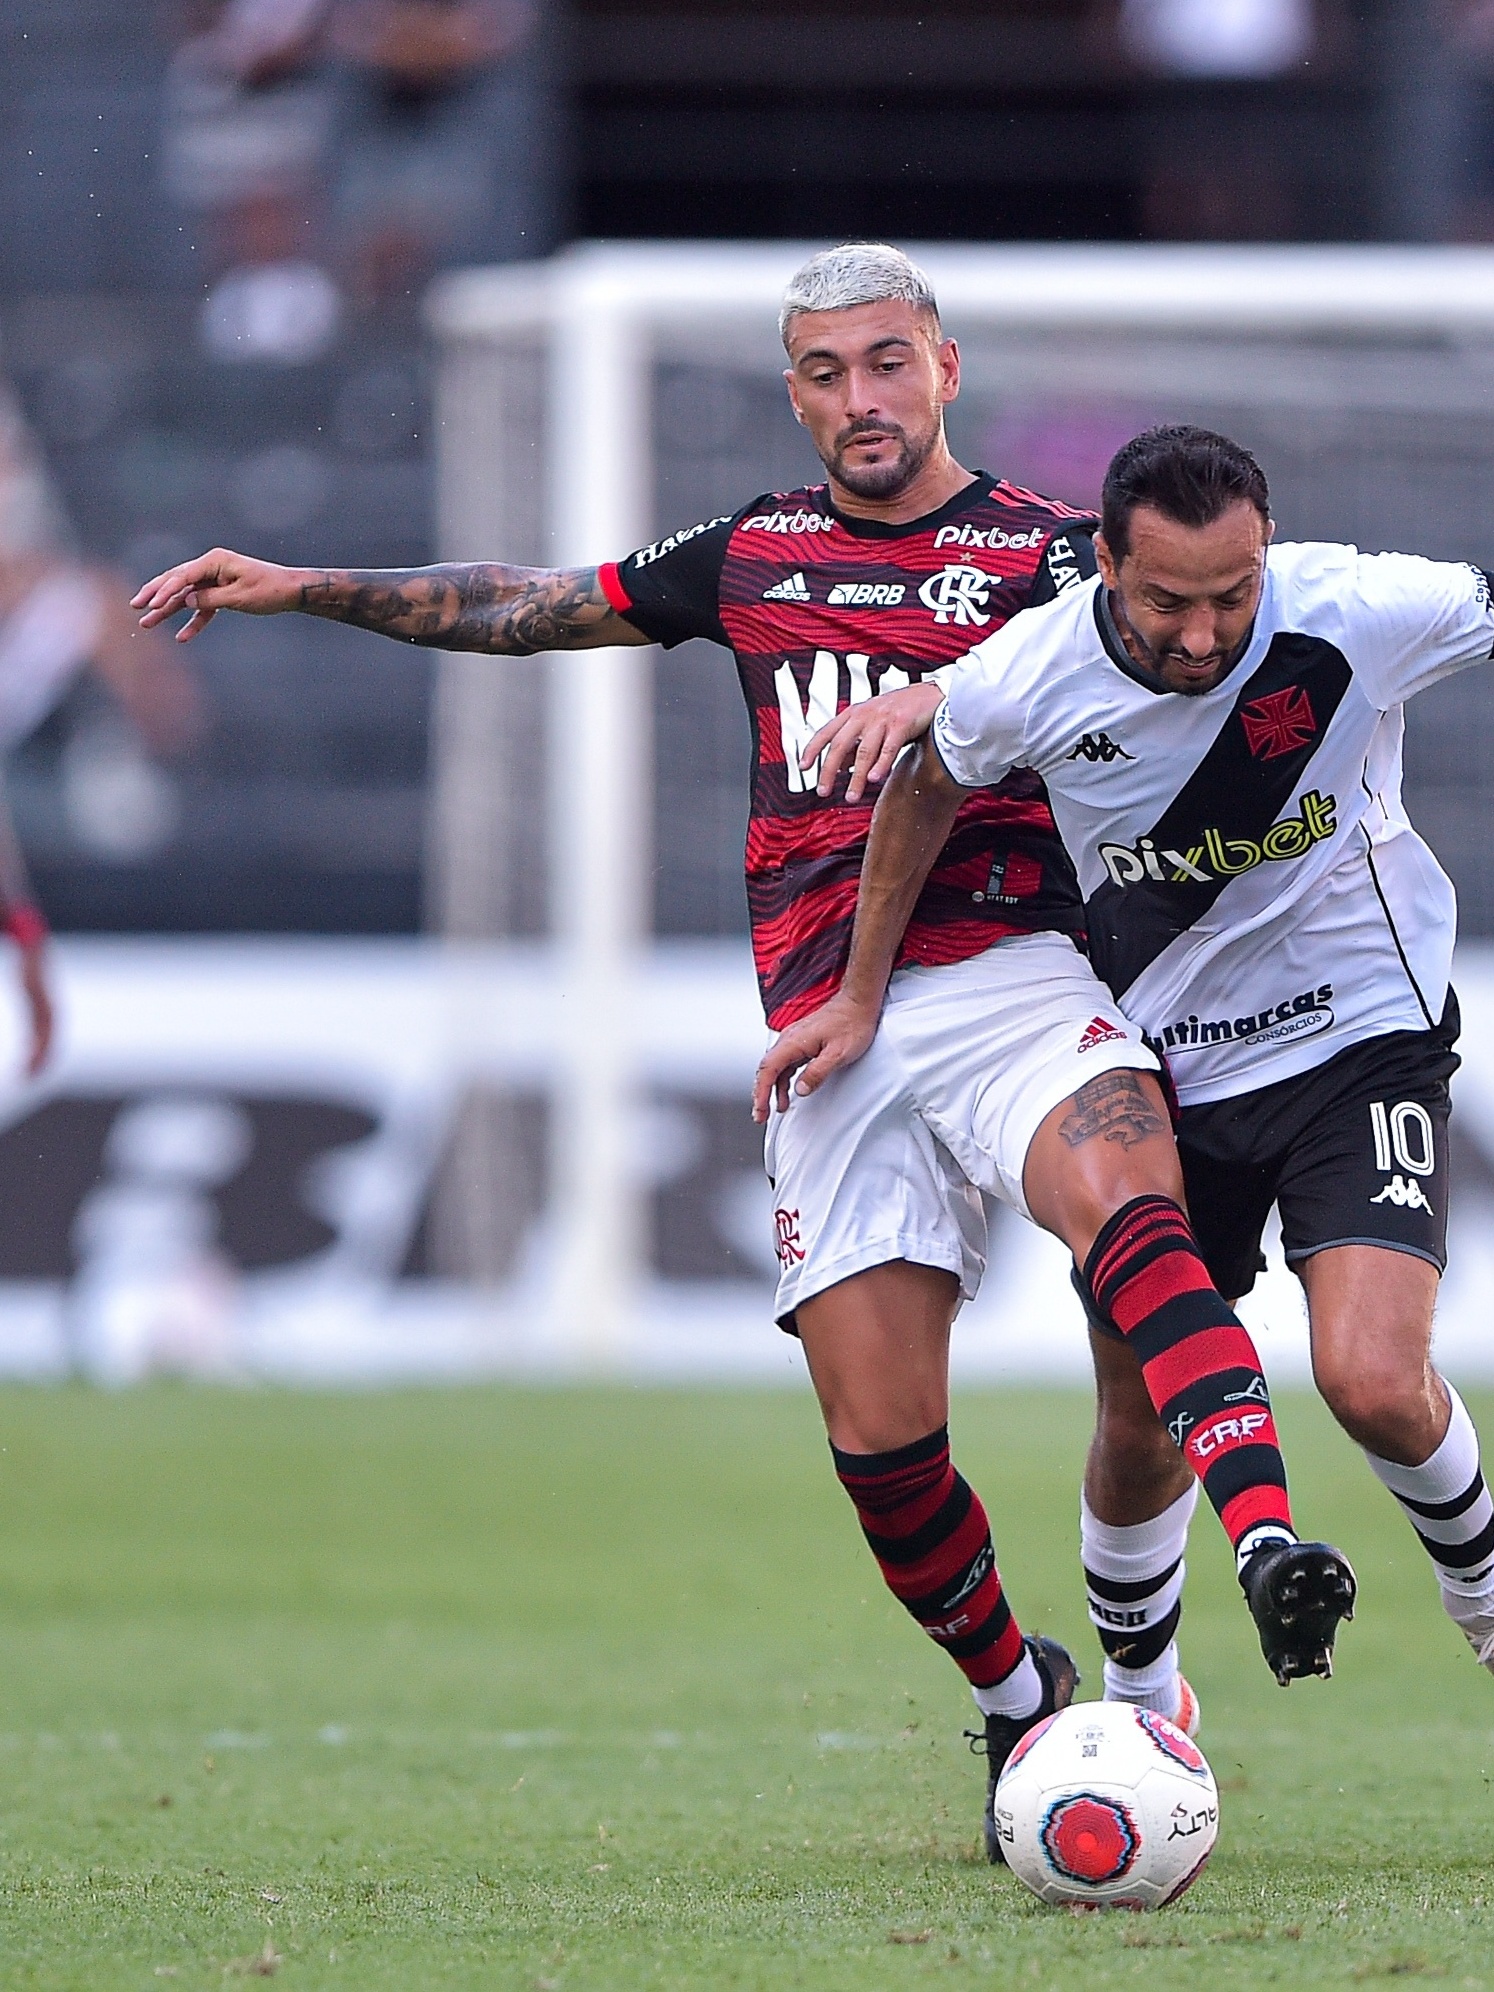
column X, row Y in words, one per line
column 598, row 1689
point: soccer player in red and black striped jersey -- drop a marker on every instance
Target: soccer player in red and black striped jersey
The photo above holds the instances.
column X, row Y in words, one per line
column 1004, row 1067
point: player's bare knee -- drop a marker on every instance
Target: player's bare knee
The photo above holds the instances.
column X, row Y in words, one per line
column 1390, row 1409
column 880, row 1428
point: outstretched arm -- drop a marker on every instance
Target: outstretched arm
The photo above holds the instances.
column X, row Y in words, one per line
column 908, row 831
column 511, row 611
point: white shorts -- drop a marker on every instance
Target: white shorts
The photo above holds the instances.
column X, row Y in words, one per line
column 889, row 1159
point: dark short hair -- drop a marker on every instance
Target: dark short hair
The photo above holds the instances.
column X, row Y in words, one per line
column 1189, row 475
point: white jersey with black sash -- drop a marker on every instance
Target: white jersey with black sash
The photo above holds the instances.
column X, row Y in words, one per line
column 1256, row 896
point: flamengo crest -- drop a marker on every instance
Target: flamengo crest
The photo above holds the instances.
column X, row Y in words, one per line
column 958, row 593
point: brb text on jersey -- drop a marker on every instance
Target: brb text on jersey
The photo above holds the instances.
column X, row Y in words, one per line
column 823, row 611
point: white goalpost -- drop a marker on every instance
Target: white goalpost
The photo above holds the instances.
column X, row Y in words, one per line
column 548, row 454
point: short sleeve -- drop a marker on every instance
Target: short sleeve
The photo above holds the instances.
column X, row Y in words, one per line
column 671, row 590
column 1415, row 622
column 1067, row 559
column 978, row 731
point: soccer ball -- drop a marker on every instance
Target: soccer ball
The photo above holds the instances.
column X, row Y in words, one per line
column 1107, row 1806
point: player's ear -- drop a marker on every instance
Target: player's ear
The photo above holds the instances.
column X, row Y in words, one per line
column 793, row 393
column 947, row 356
column 1105, row 561
column 1270, row 531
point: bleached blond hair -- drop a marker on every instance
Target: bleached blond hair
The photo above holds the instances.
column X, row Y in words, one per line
column 855, row 273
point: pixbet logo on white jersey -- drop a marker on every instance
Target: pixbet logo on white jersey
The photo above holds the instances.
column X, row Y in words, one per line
column 958, row 594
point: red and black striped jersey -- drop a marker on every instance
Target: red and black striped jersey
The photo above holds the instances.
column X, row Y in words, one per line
column 822, row 611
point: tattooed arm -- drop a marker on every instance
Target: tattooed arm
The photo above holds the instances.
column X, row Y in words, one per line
column 511, row 611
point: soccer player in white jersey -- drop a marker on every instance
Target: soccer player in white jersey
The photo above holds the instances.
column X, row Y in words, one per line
column 1219, row 723
column 877, row 1178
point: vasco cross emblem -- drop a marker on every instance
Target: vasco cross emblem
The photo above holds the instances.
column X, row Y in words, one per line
column 1278, row 723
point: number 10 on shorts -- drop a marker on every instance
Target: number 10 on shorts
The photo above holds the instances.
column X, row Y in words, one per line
column 1404, row 1133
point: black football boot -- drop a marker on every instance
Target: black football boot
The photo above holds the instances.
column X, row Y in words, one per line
column 1002, row 1733
column 1297, row 1593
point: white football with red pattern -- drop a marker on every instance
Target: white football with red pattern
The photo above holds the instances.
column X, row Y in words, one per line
column 1106, row 1806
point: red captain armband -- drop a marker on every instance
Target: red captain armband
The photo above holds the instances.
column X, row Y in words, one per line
column 27, row 926
column 612, row 587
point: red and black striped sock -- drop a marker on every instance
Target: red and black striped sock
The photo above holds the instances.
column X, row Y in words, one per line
column 1147, row 1279
column 929, row 1533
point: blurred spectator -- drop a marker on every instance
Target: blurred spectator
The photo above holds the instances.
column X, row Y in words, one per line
column 431, row 159
column 249, row 115
column 405, row 117
column 60, row 617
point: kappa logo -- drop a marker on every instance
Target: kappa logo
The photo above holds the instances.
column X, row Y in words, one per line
column 1279, row 723
column 1097, row 1032
column 1220, row 856
column 794, row 589
column 958, row 594
column 867, row 594
column 787, row 1243
column 1406, row 1194
column 1094, row 747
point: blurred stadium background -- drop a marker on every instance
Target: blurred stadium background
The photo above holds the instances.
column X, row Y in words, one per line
column 379, row 1058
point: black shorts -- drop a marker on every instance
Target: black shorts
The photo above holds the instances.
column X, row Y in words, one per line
column 1352, row 1153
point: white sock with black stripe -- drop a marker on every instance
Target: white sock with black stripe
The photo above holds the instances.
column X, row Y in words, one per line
column 1134, row 1579
column 1448, row 1505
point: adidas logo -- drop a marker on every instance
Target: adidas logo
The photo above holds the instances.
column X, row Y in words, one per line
column 1097, row 1031
column 795, row 589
